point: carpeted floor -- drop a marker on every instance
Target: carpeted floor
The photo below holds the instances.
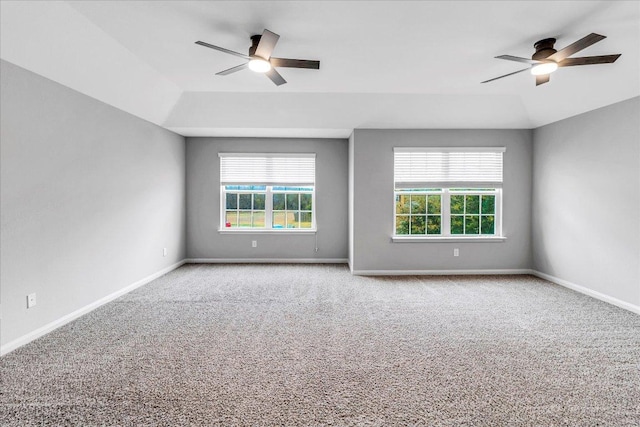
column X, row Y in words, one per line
column 312, row 345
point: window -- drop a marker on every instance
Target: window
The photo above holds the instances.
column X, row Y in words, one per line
column 292, row 207
column 448, row 192
column 267, row 191
column 472, row 212
column 244, row 206
column 418, row 212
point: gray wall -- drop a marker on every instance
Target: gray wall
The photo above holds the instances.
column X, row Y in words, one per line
column 90, row 197
column 203, row 201
column 586, row 200
column 374, row 203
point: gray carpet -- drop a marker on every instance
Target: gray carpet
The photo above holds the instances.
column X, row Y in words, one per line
column 312, row 345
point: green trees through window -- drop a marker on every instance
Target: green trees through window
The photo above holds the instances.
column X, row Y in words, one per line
column 473, row 214
column 418, row 214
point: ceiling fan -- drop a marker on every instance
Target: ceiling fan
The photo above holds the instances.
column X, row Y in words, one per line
column 546, row 59
column 260, row 59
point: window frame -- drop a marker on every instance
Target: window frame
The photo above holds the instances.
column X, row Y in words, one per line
column 224, row 210
column 497, row 224
column 417, row 192
column 268, row 209
column 445, row 215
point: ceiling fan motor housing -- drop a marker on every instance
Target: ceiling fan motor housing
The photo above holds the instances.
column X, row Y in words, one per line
column 254, row 44
column 544, row 49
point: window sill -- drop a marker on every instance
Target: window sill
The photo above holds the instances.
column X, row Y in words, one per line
column 272, row 231
column 493, row 239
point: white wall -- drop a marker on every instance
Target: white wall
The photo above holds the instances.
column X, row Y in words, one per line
column 586, row 200
column 374, row 204
column 203, row 202
column 90, row 197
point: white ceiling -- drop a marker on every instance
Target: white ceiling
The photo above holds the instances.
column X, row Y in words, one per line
column 384, row 64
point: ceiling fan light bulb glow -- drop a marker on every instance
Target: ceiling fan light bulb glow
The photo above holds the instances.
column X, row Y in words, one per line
column 259, row 65
column 544, row 68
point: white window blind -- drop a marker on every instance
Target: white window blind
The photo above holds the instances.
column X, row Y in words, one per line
column 433, row 167
column 267, row 168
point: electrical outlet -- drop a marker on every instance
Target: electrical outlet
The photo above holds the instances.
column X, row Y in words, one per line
column 456, row 252
column 164, row 252
column 254, row 243
column 31, row 300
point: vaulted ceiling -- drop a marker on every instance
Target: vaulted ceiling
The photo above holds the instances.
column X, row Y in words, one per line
column 384, row 64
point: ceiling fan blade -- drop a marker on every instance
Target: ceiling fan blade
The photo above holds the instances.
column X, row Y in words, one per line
column 542, row 79
column 588, row 60
column 221, row 49
column 576, row 47
column 275, row 77
column 295, row 63
column 267, row 43
column 233, row 69
column 518, row 59
column 506, row 75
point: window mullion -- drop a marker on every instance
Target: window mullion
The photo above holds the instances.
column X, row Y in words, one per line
column 252, row 209
column 497, row 213
column 299, row 222
column 238, row 209
column 446, row 212
column 313, row 208
column 223, row 207
column 268, row 208
column 464, row 215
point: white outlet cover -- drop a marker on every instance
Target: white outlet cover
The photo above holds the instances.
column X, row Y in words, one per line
column 31, row 300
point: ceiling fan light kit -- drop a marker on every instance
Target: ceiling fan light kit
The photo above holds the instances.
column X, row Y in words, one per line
column 259, row 65
column 544, row 68
column 546, row 59
column 260, row 59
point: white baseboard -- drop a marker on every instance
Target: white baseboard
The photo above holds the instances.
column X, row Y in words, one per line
column 438, row 272
column 595, row 294
column 266, row 261
column 25, row 339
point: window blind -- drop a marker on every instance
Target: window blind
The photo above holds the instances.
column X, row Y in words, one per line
column 267, row 168
column 433, row 167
